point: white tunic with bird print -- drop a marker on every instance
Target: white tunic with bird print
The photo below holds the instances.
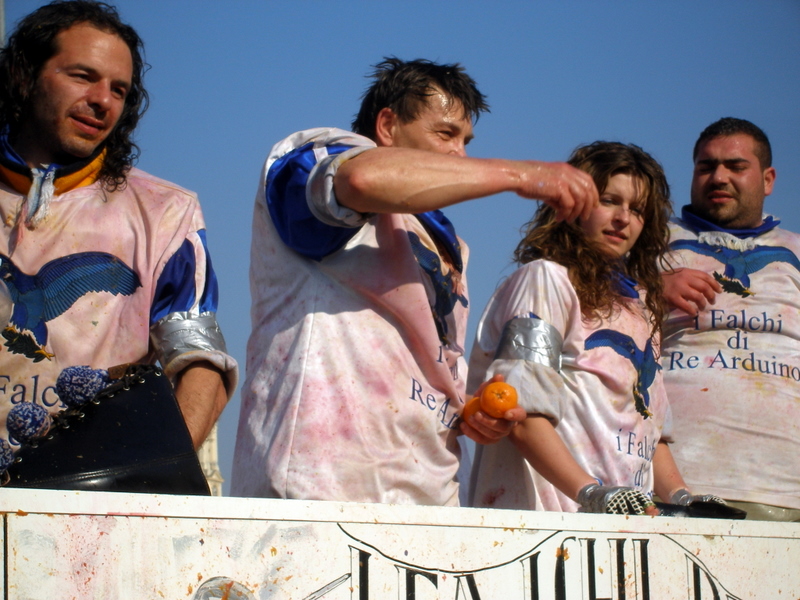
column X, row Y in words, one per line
column 733, row 372
column 92, row 274
column 607, row 401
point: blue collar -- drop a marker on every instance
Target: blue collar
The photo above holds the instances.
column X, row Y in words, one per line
column 12, row 156
column 700, row 224
column 9, row 153
column 442, row 229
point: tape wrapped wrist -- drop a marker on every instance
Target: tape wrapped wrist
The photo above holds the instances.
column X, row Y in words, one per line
column 182, row 338
column 612, row 500
column 684, row 497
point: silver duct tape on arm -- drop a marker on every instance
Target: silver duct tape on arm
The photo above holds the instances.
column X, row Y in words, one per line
column 181, row 338
column 530, row 339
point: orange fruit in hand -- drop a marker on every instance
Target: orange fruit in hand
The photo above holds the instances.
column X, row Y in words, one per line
column 497, row 398
column 471, row 408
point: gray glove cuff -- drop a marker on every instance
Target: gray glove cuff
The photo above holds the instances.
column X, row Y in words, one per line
column 612, row 500
column 681, row 498
column 685, row 498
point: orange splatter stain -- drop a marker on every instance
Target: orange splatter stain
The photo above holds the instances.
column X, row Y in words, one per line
column 227, row 593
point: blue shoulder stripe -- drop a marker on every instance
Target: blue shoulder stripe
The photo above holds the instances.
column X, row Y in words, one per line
column 286, row 199
column 209, row 301
column 176, row 291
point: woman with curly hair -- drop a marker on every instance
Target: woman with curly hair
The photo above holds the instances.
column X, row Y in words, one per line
column 576, row 330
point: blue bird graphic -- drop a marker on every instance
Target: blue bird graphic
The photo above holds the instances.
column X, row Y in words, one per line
column 739, row 264
column 644, row 361
column 446, row 295
column 53, row 290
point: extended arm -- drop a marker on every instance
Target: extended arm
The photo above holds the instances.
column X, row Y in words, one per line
column 669, row 484
column 539, row 443
column 666, row 478
column 403, row 180
column 689, row 290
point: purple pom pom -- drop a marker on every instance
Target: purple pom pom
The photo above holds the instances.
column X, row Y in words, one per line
column 27, row 421
column 78, row 385
column 6, row 455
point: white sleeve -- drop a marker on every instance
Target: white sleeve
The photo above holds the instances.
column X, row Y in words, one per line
column 521, row 333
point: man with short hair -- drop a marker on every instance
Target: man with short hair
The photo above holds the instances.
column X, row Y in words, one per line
column 731, row 349
column 105, row 264
column 356, row 375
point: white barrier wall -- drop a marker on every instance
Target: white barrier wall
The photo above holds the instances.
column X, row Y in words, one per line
column 79, row 545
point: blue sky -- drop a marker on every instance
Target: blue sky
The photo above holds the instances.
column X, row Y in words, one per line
column 229, row 79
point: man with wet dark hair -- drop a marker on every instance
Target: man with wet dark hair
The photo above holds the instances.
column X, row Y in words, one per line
column 731, row 355
column 104, row 264
column 356, row 375
column 405, row 87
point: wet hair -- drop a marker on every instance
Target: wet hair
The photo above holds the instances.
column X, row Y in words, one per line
column 732, row 126
column 34, row 42
column 405, row 86
column 592, row 274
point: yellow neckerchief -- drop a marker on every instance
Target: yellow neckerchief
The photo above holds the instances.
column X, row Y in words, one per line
column 23, row 183
column 84, row 176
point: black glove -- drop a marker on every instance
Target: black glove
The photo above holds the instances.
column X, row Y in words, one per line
column 613, row 500
column 707, row 506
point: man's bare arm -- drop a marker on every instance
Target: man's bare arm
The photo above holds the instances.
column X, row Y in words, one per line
column 403, row 180
column 201, row 394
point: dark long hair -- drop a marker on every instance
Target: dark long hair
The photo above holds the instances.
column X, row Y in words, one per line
column 405, row 86
column 590, row 270
column 34, row 42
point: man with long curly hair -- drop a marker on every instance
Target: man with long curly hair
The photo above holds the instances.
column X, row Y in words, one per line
column 104, row 264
